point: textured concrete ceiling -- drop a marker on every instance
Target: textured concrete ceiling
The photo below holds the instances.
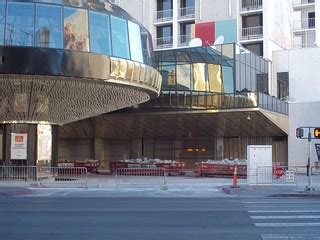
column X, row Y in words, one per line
column 211, row 123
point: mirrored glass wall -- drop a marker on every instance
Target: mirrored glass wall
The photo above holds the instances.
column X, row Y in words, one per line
column 222, row 69
column 76, row 26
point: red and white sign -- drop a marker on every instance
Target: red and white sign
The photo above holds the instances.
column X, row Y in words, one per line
column 19, row 146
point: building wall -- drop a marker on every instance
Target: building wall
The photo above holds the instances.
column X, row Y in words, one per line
column 216, row 10
column 228, row 29
column 304, row 89
column 75, row 149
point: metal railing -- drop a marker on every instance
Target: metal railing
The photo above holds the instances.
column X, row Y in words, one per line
column 165, row 42
column 165, row 15
column 249, row 5
column 207, row 100
column 276, row 175
column 46, row 176
column 184, row 40
column 302, row 2
column 18, row 174
column 304, row 45
column 273, row 104
column 141, row 177
column 63, row 176
column 187, row 12
column 304, row 24
column 251, row 33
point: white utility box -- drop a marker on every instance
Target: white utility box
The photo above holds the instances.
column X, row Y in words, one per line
column 259, row 158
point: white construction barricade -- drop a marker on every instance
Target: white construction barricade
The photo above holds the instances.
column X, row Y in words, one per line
column 18, row 174
column 63, row 176
column 276, row 175
column 141, row 177
column 45, row 176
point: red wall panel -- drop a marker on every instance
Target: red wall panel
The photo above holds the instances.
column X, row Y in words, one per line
column 206, row 32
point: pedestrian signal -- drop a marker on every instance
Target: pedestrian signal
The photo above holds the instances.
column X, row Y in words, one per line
column 299, row 132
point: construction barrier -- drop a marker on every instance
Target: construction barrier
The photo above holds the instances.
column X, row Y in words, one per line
column 18, row 174
column 45, row 176
column 276, row 175
column 221, row 170
column 90, row 165
column 176, row 168
column 141, row 177
column 63, row 176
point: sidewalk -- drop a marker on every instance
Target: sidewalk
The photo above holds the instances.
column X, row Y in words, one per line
column 178, row 186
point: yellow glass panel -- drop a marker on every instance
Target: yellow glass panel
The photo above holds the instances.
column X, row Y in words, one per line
column 199, row 80
column 142, row 73
column 215, row 81
column 115, row 68
column 130, row 70
column 136, row 74
column 123, row 69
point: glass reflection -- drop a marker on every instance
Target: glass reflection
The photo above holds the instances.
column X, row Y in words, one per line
column 183, row 77
column 135, row 42
column 48, row 26
column 20, row 24
column 215, row 81
column 99, row 33
column 199, row 79
column 76, row 29
column 168, row 73
column 2, row 21
column 120, row 41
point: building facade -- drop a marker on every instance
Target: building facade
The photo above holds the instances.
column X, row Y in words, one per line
column 260, row 26
column 62, row 61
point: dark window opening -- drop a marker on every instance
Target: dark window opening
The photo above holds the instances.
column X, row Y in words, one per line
column 283, row 85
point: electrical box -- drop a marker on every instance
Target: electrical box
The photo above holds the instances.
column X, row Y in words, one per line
column 259, row 158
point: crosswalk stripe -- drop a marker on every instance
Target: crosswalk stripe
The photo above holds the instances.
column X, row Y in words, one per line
column 316, row 224
column 287, row 217
column 289, row 236
column 284, row 211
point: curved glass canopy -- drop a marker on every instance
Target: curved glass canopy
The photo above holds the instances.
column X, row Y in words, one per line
column 78, row 25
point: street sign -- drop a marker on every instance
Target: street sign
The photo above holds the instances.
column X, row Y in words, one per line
column 317, row 145
column 290, row 176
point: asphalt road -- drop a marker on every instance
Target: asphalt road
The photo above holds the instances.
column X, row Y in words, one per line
column 89, row 218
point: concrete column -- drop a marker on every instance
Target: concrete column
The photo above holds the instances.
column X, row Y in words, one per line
column 55, row 145
column 219, row 148
column 175, row 26
column 6, row 143
column 99, row 152
column 178, row 149
column 136, row 148
column 32, row 145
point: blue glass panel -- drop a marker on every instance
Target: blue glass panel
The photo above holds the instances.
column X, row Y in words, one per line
column 99, row 33
column 120, row 41
column 76, row 29
column 2, row 21
column 20, row 24
column 48, row 26
column 228, row 84
column 135, row 42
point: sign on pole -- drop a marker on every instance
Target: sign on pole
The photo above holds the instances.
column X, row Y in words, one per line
column 318, row 150
column 19, row 146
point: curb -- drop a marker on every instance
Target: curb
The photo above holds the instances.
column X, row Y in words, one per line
column 12, row 191
column 226, row 190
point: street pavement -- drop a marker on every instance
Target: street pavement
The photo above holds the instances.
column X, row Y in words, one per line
column 75, row 218
column 191, row 208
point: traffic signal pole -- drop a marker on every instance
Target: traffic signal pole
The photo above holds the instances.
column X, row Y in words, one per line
column 309, row 187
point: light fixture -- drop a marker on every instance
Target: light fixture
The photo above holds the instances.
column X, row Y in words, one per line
column 248, row 118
